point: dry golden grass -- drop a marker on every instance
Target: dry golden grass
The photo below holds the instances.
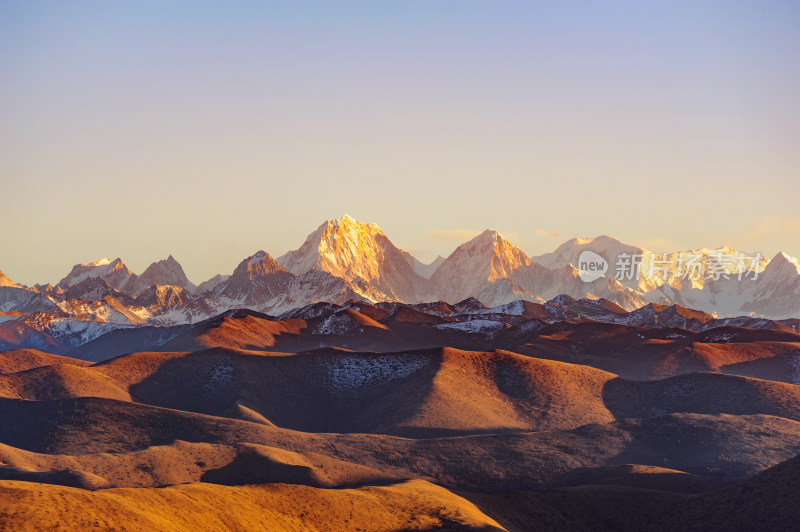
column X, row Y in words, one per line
column 248, row 332
column 60, row 381
column 22, row 359
column 412, row 505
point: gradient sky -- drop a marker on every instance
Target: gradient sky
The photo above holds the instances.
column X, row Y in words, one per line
column 210, row 130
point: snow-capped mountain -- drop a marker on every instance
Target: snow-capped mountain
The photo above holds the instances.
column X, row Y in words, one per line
column 94, row 289
column 776, row 292
column 346, row 260
column 473, row 268
column 166, row 272
column 5, row 281
column 165, row 296
column 25, row 300
column 492, row 269
column 260, row 283
column 647, row 271
column 362, row 255
column 311, row 287
column 115, row 273
column 721, row 280
column 256, row 280
column 570, row 251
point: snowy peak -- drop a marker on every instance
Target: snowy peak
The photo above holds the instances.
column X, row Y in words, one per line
column 258, row 265
column 338, row 247
column 568, row 253
column 359, row 253
column 776, row 291
column 488, row 256
column 91, row 289
column 163, row 296
column 783, row 264
column 166, row 272
column 477, row 266
column 114, row 273
column 255, row 281
column 505, row 257
column 100, row 268
column 5, row 281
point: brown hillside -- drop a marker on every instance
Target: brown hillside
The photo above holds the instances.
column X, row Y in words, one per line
column 22, row 359
column 413, row 505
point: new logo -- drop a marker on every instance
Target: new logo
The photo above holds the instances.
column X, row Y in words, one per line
column 591, row 266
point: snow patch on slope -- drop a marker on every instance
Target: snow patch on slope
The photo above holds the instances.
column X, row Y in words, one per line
column 218, row 375
column 795, row 364
column 472, row 326
column 352, row 374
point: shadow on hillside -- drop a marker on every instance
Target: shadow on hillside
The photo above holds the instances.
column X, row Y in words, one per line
column 324, row 391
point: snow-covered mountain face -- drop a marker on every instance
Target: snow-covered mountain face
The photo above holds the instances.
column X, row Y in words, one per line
column 777, row 290
column 261, row 284
column 166, row 272
column 722, row 281
column 167, row 296
column 347, row 260
column 94, row 289
column 475, row 266
column 645, row 271
column 115, row 273
column 256, row 279
column 118, row 276
column 5, row 281
column 360, row 254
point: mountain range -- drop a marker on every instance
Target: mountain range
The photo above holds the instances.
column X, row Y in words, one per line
column 346, row 260
column 346, row 385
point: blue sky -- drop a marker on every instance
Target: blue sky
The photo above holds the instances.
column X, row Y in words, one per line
column 210, row 130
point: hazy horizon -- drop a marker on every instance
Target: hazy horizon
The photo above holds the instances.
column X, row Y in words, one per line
column 209, row 132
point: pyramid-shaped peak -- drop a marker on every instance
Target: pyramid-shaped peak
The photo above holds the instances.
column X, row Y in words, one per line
column 257, row 264
column 5, row 281
column 166, row 272
column 486, row 258
column 784, row 257
column 358, row 253
column 784, row 263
